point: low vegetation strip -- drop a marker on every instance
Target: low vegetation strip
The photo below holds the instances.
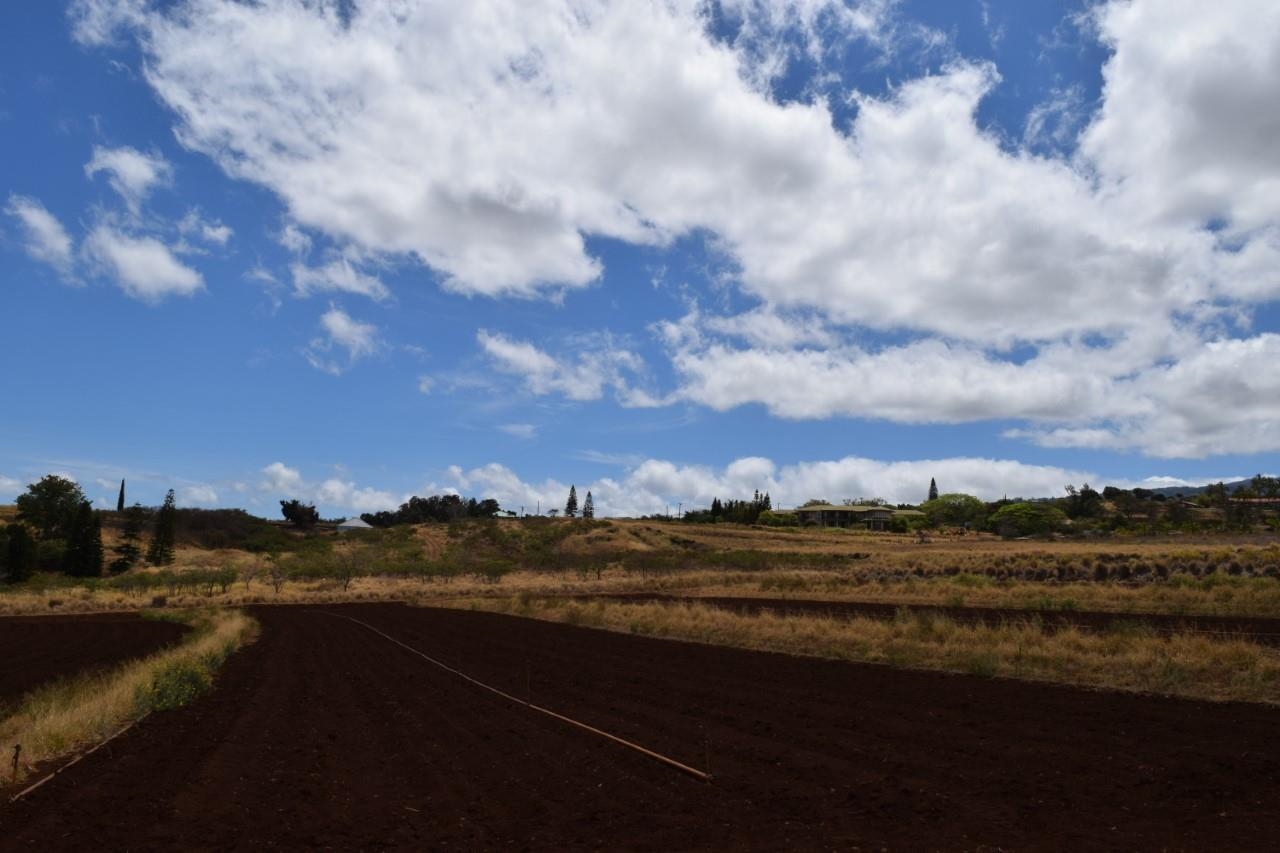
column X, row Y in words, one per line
column 1127, row 657
column 1264, row 632
column 1216, row 594
column 60, row 719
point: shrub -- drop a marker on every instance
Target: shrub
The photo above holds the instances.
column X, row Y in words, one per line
column 175, row 685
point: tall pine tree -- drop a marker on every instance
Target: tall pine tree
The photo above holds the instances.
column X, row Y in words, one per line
column 588, row 507
column 571, row 505
column 128, row 552
column 84, row 544
column 120, row 499
column 933, row 489
column 160, row 552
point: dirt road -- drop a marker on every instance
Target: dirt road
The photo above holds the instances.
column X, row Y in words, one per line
column 325, row 735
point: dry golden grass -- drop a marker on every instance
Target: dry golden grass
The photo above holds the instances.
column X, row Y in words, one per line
column 1175, row 575
column 1128, row 659
column 1217, row 594
column 63, row 718
column 1214, row 595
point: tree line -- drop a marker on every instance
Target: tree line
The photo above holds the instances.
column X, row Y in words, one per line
column 733, row 511
column 58, row 530
column 443, row 508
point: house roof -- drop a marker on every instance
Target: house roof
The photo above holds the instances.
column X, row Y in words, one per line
column 355, row 524
column 857, row 510
column 834, row 508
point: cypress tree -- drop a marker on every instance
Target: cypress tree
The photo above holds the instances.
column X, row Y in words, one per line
column 588, row 507
column 571, row 505
column 120, row 500
column 160, row 552
column 933, row 489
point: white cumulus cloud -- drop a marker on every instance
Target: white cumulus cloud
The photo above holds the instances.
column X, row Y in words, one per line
column 44, row 237
column 143, row 267
column 598, row 364
column 337, row 275
column 657, row 485
column 1189, row 121
column 130, row 172
column 333, row 493
column 213, row 232
column 343, row 331
column 1071, row 290
column 198, row 495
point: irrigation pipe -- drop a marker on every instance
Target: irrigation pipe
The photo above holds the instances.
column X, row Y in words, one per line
column 656, row 756
column 76, row 760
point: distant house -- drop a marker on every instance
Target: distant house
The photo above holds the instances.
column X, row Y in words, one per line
column 867, row 517
column 356, row 523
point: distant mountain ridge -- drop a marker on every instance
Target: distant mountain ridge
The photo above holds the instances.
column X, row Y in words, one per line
column 1192, row 491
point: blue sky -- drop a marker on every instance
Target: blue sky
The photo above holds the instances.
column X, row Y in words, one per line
column 353, row 251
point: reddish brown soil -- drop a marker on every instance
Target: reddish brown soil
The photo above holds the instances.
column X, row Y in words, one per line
column 1263, row 631
column 325, row 735
column 40, row 649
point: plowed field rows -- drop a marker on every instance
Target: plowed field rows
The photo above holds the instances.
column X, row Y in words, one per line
column 35, row 650
column 325, row 735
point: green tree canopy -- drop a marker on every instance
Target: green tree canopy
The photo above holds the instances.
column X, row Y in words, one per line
column 1083, row 502
column 51, row 506
column 589, row 507
column 571, row 505
column 955, row 508
column 303, row 516
column 1027, row 519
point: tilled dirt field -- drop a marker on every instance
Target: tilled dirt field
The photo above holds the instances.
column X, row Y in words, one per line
column 40, row 649
column 325, row 735
column 1262, row 631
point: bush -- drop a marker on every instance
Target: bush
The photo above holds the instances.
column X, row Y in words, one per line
column 175, row 685
column 1026, row 519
